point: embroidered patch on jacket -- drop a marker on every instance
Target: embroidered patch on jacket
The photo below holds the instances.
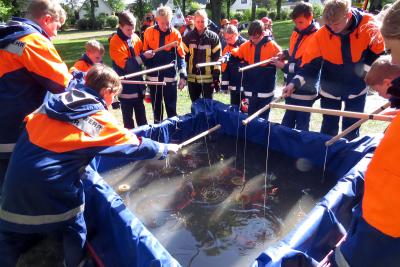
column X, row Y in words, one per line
column 16, row 48
column 89, row 125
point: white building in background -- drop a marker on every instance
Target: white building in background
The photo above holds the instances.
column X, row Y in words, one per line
column 100, row 7
column 240, row 5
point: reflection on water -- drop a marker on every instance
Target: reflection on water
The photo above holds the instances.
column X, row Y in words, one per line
column 211, row 215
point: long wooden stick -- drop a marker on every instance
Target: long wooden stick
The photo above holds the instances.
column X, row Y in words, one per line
column 355, row 125
column 255, row 65
column 173, row 44
column 258, row 112
column 142, row 82
column 206, row 64
column 191, row 140
column 146, row 71
column 333, row 112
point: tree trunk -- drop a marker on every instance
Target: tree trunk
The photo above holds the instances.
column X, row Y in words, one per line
column 216, row 10
column 253, row 9
column 228, row 9
column 278, row 9
column 92, row 15
column 184, row 7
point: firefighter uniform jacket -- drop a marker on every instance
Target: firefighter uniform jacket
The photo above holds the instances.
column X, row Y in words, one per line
column 299, row 43
column 83, row 64
column 345, row 58
column 259, row 81
column 30, row 66
column 126, row 57
column 43, row 188
column 231, row 78
column 155, row 38
column 381, row 202
column 201, row 49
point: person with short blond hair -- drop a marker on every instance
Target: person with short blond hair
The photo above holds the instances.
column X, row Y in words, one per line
column 340, row 52
column 43, row 190
column 161, row 34
column 30, row 66
column 94, row 54
column 335, row 10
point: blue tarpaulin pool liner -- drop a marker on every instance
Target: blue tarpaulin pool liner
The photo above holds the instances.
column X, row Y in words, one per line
column 120, row 239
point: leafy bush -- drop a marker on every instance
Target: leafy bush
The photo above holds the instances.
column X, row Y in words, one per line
column 101, row 21
column 82, row 24
column 112, row 21
column 261, row 12
column 285, row 13
column 238, row 15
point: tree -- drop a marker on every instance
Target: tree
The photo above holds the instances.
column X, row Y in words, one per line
column 216, row 10
column 253, row 9
column 6, row 8
column 116, row 5
column 140, row 8
column 278, row 9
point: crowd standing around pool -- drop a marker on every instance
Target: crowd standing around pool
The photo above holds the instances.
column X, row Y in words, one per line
column 55, row 120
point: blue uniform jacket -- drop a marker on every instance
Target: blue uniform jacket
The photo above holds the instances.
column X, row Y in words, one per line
column 43, row 187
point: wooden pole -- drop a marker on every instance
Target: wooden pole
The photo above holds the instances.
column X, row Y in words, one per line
column 206, row 64
column 258, row 112
column 255, row 65
column 191, row 140
column 146, row 71
column 354, row 126
column 142, row 82
column 333, row 112
column 173, row 44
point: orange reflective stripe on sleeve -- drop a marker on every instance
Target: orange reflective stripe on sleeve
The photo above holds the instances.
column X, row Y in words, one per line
column 63, row 136
column 42, row 59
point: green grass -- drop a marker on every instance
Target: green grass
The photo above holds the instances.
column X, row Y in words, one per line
column 71, row 45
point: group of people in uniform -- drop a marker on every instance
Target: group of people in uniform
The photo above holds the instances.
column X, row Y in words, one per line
column 47, row 143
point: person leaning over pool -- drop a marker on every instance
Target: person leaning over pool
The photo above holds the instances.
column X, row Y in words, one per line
column 43, row 191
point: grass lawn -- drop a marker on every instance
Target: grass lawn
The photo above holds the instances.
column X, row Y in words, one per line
column 71, row 45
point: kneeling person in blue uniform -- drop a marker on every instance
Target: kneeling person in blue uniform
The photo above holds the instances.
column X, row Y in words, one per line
column 43, row 191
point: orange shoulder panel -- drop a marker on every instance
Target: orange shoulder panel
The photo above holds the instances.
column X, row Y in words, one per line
column 80, row 65
column 41, row 58
column 63, row 137
column 367, row 35
column 119, row 51
column 313, row 50
column 150, row 40
column 381, row 201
